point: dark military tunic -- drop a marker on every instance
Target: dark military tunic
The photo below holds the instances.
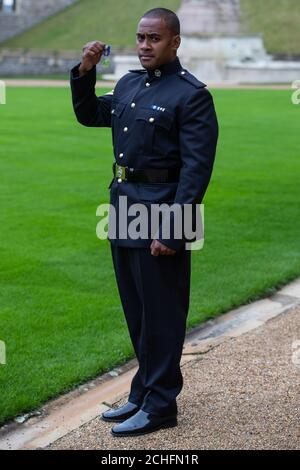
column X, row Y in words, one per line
column 164, row 118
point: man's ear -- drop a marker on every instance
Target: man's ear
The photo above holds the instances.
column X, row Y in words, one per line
column 176, row 41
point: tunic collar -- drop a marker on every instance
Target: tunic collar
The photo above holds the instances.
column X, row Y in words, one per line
column 165, row 69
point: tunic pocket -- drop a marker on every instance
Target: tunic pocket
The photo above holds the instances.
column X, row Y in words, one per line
column 153, row 124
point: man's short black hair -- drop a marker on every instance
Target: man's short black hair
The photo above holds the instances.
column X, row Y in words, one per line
column 171, row 19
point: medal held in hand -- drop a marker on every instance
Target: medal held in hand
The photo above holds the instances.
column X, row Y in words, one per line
column 106, row 60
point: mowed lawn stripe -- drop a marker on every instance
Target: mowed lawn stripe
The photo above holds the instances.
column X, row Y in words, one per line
column 60, row 315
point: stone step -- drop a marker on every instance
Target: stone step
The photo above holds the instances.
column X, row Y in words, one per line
column 210, row 17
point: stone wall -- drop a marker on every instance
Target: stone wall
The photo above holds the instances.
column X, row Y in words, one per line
column 17, row 62
column 210, row 17
column 27, row 14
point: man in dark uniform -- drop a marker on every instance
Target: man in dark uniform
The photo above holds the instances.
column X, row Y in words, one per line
column 165, row 131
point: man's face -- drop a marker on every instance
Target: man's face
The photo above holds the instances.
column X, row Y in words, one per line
column 156, row 45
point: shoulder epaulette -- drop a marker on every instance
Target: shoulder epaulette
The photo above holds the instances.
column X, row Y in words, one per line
column 186, row 75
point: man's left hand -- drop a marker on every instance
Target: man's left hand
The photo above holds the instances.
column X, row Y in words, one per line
column 158, row 248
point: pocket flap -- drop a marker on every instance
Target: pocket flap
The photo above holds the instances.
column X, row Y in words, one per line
column 118, row 109
column 156, row 118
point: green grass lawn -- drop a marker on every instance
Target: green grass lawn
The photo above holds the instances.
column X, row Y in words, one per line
column 60, row 315
column 69, row 29
column 115, row 23
column 277, row 20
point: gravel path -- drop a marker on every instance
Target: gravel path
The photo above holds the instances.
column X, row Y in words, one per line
column 244, row 394
column 45, row 83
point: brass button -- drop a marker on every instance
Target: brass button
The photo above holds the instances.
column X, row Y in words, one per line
column 133, row 105
column 151, row 119
column 147, row 84
column 183, row 72
column 125, row 129
column 157, row 73
column 112, row 111
column 121, row 155
column 119, row 180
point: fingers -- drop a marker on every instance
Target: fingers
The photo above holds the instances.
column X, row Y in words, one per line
column 92, row 53
column 168, row 252
column 95, row 50
column 96, row 47
column 158, row 249
column 155, row 250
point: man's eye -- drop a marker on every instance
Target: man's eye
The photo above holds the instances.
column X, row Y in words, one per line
column 152, row 38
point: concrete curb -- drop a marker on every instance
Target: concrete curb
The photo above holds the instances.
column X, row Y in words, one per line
column 67, row 413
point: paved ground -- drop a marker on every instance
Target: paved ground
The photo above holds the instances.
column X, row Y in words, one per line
column 44, row 83
column 242, row 394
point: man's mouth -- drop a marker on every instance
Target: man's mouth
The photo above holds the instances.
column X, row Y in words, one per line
column 146, row 57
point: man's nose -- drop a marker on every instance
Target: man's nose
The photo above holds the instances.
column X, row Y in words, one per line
column 145, row 46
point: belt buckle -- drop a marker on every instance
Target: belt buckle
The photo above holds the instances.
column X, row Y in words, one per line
column 121, row 173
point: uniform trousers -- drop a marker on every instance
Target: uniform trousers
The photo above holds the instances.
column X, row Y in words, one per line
column 154, row 293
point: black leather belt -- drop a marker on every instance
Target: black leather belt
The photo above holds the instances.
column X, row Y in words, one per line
column 150, row 175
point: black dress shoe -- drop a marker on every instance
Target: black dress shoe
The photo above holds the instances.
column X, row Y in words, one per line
column 120, row 414
column 143, row 423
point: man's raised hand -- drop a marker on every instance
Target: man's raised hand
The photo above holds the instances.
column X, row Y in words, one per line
column 92, row 53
